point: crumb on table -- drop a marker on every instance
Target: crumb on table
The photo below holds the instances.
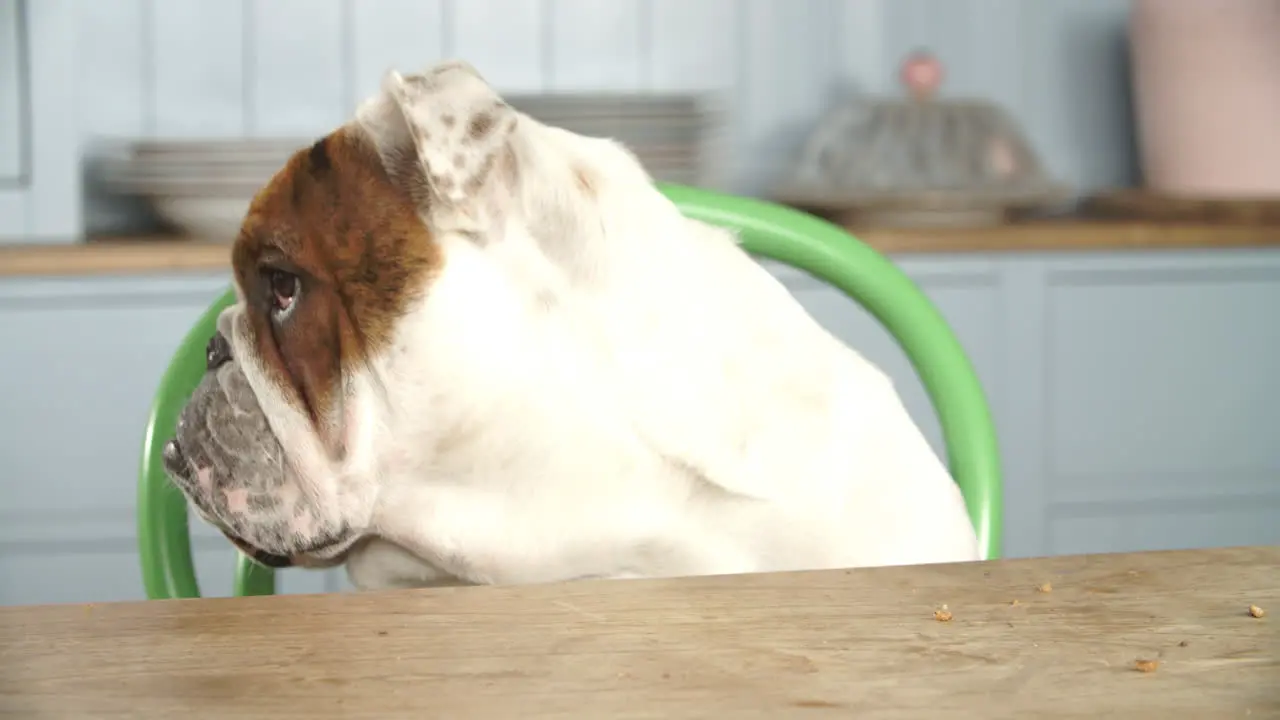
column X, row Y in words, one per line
column 942, row 614
column 1045, row 588
column 1146, row 666
column 1256, row 611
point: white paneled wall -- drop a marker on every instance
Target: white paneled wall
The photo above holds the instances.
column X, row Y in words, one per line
column 13, row 126
column 40, row 149
column 191, row 68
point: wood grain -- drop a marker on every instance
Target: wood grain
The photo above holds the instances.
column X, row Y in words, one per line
column 1069, row 236
column 861, row 643
column 114, row 257
column 1142, row 204
column 165, row 255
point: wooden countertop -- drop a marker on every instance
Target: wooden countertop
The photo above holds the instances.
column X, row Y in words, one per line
column 862, row 643
column 164, row 254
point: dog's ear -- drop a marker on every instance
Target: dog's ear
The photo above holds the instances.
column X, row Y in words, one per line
column 444, row 138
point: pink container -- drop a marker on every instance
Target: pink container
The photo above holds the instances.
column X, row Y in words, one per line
column 1207, row 95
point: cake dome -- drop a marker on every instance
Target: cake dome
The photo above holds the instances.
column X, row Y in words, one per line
column 918, row 160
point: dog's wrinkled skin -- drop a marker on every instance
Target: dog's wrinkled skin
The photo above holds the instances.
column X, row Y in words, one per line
column 490, row 351
column 228, row 462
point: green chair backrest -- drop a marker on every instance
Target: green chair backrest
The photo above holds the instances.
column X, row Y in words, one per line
column 773, row 231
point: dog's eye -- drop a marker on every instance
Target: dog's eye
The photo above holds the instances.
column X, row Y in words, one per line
column 284, row 289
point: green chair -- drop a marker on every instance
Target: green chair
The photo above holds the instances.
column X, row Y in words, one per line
column 768, row 230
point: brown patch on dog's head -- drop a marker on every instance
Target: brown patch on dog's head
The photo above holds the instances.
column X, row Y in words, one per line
column 335, row 219
column 350, row 219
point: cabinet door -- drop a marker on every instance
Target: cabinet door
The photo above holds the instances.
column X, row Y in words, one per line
column 1161, row 401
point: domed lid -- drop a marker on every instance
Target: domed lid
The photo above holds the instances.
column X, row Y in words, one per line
column 919, row 148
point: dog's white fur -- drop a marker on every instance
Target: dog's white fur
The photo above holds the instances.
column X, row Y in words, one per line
column 597, row 386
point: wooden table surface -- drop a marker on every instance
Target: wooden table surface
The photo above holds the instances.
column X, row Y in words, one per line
column 861, row 643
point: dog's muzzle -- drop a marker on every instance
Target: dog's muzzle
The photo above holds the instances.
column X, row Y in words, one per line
column 230, row 465
column 175, row 463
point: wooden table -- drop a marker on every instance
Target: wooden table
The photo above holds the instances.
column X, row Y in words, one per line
column 861, row 643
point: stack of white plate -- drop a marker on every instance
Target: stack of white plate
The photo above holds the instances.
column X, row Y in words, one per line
column 676, row 137
column 204, row 186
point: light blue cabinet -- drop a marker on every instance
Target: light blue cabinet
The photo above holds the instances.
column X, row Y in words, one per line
column 1135, row 394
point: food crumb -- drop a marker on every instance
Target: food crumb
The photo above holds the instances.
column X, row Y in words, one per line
column 1146, row 666
column 1256, row 611
column 1045, row 588
column 942, row 614
column 1014, row 602
column 1184, row 643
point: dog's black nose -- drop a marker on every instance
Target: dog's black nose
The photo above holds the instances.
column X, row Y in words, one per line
column 175, row 463
column 217, row 352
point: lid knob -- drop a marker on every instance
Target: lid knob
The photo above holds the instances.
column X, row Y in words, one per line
column 921, row 75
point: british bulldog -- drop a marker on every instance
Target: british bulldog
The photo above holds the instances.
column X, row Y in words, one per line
column 470, row 348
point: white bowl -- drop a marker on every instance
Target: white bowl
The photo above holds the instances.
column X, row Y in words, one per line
column 209, row 218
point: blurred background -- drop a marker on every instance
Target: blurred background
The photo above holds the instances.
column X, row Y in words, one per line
column 1100, row 232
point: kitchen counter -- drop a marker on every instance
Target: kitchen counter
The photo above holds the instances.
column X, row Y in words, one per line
column 107, row 256
column 1163, row 635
